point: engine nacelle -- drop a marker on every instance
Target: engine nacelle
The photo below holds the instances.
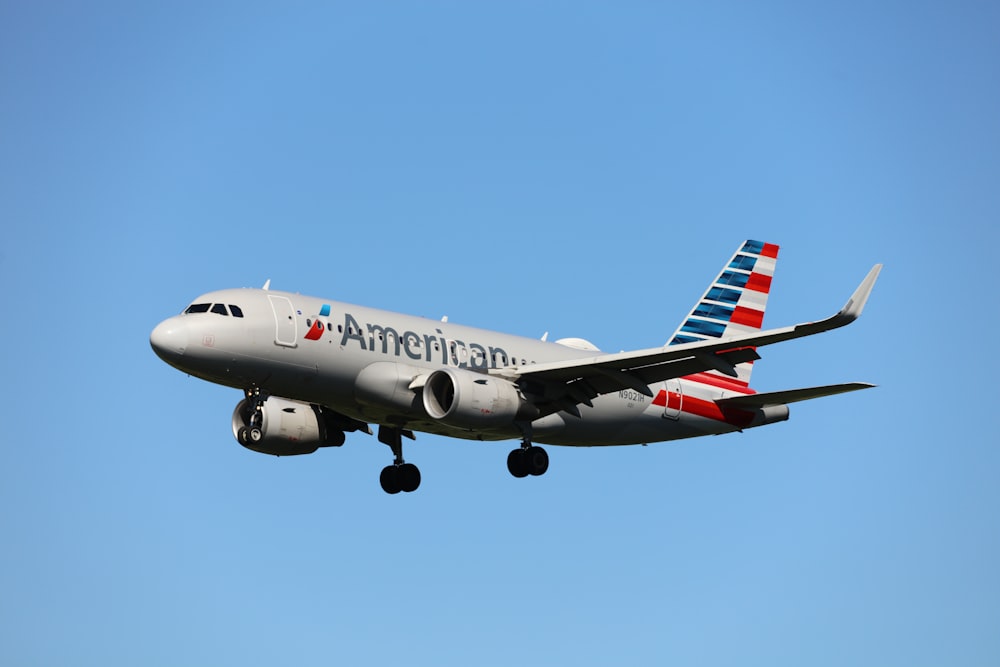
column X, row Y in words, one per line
column 465, row 399
column 286, row 428
column 386, row 385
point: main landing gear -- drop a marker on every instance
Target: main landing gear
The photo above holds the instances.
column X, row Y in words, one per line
column 400, row 476
column 527, row 460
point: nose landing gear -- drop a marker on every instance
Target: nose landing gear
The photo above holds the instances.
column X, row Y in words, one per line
column 253, row 417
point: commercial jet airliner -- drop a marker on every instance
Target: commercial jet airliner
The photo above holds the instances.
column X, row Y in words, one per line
column 315, row 369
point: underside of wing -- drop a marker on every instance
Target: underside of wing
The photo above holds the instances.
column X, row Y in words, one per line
column 580, row 381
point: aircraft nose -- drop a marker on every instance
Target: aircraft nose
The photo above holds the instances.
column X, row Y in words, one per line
column 169, row 339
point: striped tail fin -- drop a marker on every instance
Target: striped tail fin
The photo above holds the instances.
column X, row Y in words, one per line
column 735, row 301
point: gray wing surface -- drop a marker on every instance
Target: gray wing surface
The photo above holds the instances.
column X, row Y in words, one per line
column 565, row 384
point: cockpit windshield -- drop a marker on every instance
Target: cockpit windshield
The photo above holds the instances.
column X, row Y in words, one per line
column 217, row 308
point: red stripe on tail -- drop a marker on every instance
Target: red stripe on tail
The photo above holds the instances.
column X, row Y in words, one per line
column 759, row 283
column 747, row 317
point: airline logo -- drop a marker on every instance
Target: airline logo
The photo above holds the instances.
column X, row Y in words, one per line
column 416, row 346
column 317, row 328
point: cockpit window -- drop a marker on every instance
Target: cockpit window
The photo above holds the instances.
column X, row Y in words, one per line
column 217, row 308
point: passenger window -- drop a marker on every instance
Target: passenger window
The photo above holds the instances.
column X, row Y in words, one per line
column 237, row 312
column 198, row 308
column 219, row 309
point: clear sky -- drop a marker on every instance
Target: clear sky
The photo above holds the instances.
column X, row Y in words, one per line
column 578, row 168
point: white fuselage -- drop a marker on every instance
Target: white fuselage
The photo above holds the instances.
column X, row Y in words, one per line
column 361, row 361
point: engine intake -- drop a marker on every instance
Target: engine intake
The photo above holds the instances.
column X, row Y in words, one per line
column 466, row 399
column 287, row 428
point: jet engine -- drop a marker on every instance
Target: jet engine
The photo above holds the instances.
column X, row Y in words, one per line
column 285, row 427
column 465, row 399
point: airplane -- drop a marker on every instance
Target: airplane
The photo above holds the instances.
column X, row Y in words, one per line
column 313, row 370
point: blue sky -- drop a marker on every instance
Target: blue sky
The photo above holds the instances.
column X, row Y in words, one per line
column 574, row 168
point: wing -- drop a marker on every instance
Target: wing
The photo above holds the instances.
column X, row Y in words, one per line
column 563, row 385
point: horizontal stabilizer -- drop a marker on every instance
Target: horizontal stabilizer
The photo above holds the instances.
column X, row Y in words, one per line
column 790, row 396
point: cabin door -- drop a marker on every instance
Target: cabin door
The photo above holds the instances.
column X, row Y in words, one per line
column 284, row 320
column 675, row 399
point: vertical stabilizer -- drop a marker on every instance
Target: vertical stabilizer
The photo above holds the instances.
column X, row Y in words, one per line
column 734, row 303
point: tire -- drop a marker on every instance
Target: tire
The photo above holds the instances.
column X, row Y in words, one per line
column 516, row 463
column 254, row 434
column 409, row 477
column 536, row 461
column 389, row 479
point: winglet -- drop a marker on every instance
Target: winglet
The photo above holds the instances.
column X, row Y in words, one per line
column 852, row 309
column 267, row 285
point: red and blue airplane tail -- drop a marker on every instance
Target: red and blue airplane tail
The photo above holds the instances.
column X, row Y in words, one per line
column 734, row 303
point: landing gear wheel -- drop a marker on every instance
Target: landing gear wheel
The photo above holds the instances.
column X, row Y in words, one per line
column 409, row 477
column 536, row 460
column 243, row 436
column 528, row 461
column 517, row 463
column 400, row 476
column 389, row 479
column 405, row 478
column 254, row 434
